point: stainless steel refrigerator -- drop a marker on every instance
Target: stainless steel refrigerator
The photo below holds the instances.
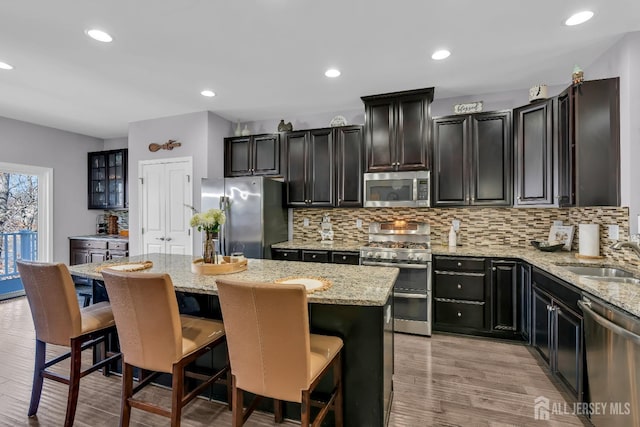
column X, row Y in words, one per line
column 255, row 211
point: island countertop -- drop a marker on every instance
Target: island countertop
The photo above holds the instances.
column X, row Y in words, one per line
column 351, row 284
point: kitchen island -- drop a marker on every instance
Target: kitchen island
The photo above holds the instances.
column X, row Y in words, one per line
column 357, row 307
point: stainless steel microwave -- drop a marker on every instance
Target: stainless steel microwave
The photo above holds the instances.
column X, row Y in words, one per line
column 397, row 189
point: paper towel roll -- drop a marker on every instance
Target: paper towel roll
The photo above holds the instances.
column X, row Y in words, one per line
column 589, row 239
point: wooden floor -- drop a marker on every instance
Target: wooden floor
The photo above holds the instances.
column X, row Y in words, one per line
column 440, row 381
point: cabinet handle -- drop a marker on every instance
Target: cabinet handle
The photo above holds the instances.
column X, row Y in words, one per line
column 519, row 198
column 549, row 308
column 459, row 264
column 494, row 268
column 459, row 314
column 168, row 239
column 459, row 286
column 344, row 257
column 159, row 238
column 285, row 254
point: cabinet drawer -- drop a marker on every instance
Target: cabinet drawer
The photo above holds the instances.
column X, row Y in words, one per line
column 315, row 256
column 345, row 258
column 459, row 264
column 285, row 254
column 121, row 246
column 460, row 314
column 459, row 286
column 89, row 244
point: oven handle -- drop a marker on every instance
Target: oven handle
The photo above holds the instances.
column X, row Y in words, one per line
column 410, row 296
column 392, row 264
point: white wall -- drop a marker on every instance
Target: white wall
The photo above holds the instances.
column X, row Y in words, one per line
column 198, row 138
column 305, row 121
column 116, row 143
column 65, row 152
column 623, row 60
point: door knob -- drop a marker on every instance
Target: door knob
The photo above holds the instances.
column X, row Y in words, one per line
column 459, row 286
column 159, row 238
column 168, row 239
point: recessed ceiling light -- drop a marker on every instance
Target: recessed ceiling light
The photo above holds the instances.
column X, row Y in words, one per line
column 579, row 18
column 99, row 35
column 5, row 66
column 332, row 72
column 208, row 93
column 440, row 54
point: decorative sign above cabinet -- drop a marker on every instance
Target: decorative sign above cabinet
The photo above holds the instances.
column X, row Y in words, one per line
column 471, row 107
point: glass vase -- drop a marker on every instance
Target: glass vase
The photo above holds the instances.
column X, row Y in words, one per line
column 209, row 248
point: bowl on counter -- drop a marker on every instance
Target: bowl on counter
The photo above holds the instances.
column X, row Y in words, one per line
column 547, row 246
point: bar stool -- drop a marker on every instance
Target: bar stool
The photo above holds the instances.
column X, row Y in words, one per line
column 59, row 320
column 273, row 354
column 155, row 337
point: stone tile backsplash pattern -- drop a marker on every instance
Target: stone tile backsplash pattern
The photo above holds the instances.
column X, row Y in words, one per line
column 513, row 227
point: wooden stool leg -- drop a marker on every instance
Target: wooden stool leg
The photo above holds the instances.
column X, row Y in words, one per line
column 277, row 410
column 237, row 407
column 177, row 389
column 305, row 409
column 127, row 392
column 38, row 379
column 337, row 381
column 74, row 381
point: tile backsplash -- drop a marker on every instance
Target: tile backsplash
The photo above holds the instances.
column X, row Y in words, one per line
column 478, row 226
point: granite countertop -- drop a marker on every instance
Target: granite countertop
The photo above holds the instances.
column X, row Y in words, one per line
column 101, row 237
column 351, row 284
column 336, row 245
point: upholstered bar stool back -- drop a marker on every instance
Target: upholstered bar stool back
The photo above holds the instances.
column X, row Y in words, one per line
column 58, row 319
column 271, row 351
column 149, row 327
column 155, row 337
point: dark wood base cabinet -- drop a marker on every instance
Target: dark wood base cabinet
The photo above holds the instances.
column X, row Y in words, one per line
column 557, row 329
column 335, row 257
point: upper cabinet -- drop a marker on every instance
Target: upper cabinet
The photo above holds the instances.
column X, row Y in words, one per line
column 472, row 159
column 568, row 148
column 107, row 184
column 397, row 127
column 589, row 144
column 324, row 167
column 534, row 172
column 252, row 155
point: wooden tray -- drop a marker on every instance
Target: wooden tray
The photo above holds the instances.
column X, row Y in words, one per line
column 199, row 267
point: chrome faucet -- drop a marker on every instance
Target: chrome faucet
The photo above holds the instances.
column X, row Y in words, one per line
column 620, row 245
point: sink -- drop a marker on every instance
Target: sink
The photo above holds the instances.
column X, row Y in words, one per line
column 604, row 272
column 631, row 280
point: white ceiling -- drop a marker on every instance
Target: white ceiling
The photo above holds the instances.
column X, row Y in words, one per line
column 266, row 58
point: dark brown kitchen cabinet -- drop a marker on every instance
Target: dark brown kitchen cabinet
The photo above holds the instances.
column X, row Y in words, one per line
column 252, row 155
column 460, row 295
column 557, row 329
column 589, row 144
column 310, row 167
column 334, row 257
column 107, row 179
column 84, row 251
column 397, row 130
column 472, row 162
column 324, row 167
column 349, row 159
column 505, row 296
column 535, row 159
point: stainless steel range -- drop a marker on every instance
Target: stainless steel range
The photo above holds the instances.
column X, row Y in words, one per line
column 406, row 245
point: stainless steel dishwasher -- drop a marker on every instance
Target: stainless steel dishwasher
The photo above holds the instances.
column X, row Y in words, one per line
column 612, row 339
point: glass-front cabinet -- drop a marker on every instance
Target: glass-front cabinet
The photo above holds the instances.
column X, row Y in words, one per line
column 108, row 180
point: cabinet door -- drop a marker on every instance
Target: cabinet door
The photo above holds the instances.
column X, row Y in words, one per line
column 566, row 150
column 286, row 254
column 320, row 177
column 349, row 158
column 412, row 133
column 568, row 331
column 504, row 296
column 525, row 301
column 597, row 139
column 108, row 179
column 97, row 186
column 534, row 169
column 450, row 161
column 78, row 256
column 266, row 155
column 491, row 174
column 97, row 256
column 380, row 135
column 541, row 323
column 237, row 156
column 296, row 143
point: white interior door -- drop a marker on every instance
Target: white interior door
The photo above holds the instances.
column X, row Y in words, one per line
column 165, row 193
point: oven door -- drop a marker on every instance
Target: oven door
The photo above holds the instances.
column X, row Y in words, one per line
column 412, row 313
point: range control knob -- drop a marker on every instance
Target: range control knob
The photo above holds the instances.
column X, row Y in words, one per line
column 419, row 257
column 369, row 254
column 378, row 255
column 411, row 257
column 394, row 255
